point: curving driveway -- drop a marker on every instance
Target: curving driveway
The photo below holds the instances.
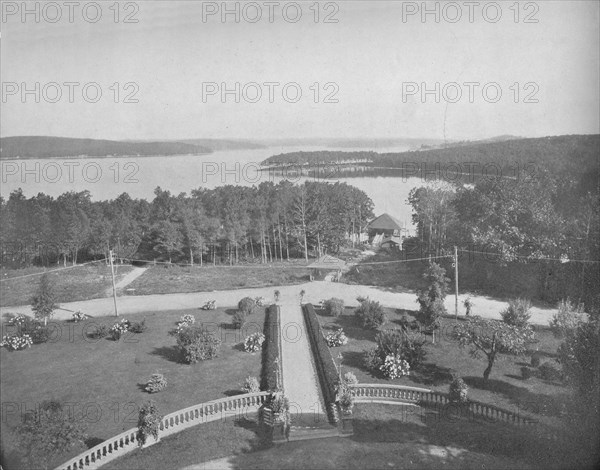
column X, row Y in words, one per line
column 315, row 292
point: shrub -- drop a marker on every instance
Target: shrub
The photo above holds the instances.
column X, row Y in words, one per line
column 250, row 385
column 549, row 371
column 16, row 342
column 458, row 389
column 338, row 338
column 156, row 383
column 186, row 320
column 195, row 344
column 40, row 334
column 413, row 349
column 371, row 314
column 277, row 294
column 567, row 319
column 47, row 432
column 526, row 373
column 536, row 358
column 350, row 378
column 517, row 313
column 254, row 342
column 271, row 362
column 260, row 301
column 100, row 332
column 239, row 319
column 334, row 307
column 43, row 303
column 346, row 399
column 247, row 305
column 118, row 329
column 394, row 366
column 149, row 420
column 138, row 327
column 78, row 316
column 371, row 359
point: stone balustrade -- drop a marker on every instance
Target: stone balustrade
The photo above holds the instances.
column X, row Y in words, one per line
column 119, row 445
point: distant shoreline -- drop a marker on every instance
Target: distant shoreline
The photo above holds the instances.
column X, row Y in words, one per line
column 87, row 157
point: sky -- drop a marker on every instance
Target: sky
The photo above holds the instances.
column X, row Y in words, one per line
column 533, row 71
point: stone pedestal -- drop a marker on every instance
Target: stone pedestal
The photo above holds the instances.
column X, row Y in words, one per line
column 347, row 426
column 279, row 432
column 150, row 441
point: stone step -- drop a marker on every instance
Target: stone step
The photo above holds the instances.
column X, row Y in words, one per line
column 303, row 433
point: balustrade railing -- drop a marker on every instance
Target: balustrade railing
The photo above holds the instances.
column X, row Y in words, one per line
column 121, row 444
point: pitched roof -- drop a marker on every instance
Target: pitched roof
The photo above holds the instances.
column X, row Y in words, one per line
column 385, row 222
column 328, row 262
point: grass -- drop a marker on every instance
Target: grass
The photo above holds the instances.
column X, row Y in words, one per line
column 78, row 283
column 384, row 437
column 505, row 387
column 167, row 279
column 107, row 378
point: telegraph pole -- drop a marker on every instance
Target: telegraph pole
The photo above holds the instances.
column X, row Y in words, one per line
column 456, row 282
column 112, row 271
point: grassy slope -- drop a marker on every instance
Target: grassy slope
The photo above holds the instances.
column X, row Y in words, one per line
column 164, row 279
column 110, row 376
column 79, row 283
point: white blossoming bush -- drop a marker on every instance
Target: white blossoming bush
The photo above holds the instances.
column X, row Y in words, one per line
column 394, row 366
column 156, row 383
column 17, row 321
column 338, row 338
column 260, row 301
column 78, row 316
column 187, row 319
column 16, row 342
column 253, row 343
column 119, row 328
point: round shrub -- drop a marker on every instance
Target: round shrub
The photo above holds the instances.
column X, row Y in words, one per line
column 350, row 378
column 370, row 313
column 517, row 313
column 334, row 307
column 458, row 389
column 394, row 366
column 536, row 358
column 195, row 344
column 138, row 327
column 371, row 359
column 247, row 305
column 337, row 338
column 156, row 383
column 251, row 385
column 254, row 342
column 526, row 373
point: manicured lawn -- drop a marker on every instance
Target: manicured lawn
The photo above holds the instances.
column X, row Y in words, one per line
column 505, row 387
column 102, row 381
column 79, row 283
column 165, row 279
column 384, row 437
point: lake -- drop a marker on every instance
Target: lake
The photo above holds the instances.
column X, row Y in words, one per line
column 108, row 177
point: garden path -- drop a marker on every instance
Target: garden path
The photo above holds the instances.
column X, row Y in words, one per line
column 300, row 378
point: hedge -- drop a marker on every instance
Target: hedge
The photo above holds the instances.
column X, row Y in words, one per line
column 325, row 364
column 271, row 351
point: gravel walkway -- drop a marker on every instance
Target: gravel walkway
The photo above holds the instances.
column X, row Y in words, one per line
column 300, row 379
column 127, row 279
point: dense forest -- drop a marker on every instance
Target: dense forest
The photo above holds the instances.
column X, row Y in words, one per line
column 575, row 156
column 547, row 226
column 228, row 224
column 61, row 147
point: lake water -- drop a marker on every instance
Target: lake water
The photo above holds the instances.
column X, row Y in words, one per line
column 108, row 177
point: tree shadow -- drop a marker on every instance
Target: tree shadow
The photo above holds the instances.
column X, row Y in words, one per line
column 238, row 347
column 231, row 311
column 92, row 442
column 233, row 392
column 170, row 353
column 431, row 374
column 261, row 439
column 353, row 328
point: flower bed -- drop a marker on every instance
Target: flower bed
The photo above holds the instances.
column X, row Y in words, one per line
column 271, row 363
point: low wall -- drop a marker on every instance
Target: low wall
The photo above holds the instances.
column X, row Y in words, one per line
column 172, row 423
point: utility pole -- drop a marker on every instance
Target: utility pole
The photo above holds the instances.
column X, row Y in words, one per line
column 112, row 271
column 456, row 282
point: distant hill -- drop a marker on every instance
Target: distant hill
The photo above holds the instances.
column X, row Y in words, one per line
column 225, row 144
column 64, row 147
column 366, row 143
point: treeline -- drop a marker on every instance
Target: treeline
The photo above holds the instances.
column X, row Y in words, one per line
column 573, row 156
column 57, row 147
column 507, row 226
column 227, row 224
